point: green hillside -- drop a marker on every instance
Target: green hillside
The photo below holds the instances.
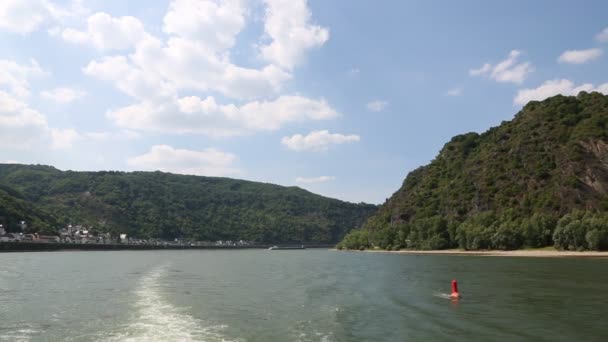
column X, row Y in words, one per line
column 163, row 205
column 538, row 180
column 14, row 208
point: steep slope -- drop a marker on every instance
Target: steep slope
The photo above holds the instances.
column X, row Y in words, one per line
column 507, row 187
column 155, row 204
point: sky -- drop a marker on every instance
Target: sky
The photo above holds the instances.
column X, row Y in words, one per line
column 342, row 97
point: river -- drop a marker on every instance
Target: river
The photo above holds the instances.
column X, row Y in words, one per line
column 298, row 295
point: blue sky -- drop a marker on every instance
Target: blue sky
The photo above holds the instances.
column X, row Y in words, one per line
column 340, row 97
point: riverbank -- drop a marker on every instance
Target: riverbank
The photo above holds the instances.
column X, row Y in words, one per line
column 534, row 253
column 51, row 247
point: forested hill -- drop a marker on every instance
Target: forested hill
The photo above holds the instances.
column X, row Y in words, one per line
column 164, row 205
column 538, row 180
column 14, row 208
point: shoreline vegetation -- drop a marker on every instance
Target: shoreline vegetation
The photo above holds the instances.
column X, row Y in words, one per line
column 537, row 181
column 533, row 253
column 155, row 205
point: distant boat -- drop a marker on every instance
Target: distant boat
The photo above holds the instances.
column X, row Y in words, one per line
column 273, row 248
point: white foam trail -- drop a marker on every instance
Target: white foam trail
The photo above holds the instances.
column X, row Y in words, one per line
column 18, row 335
column 159, row 320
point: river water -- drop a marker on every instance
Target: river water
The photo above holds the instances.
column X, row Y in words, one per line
column 298, row 295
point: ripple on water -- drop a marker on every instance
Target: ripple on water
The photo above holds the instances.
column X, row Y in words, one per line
column 18, row 333
column 156, row 319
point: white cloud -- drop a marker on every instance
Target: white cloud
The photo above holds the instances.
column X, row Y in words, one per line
column 484, row 69
column 15, row 76
column 555, row 87
column 354, row 72
column 317, row 140
column 112, row 136
column 320, row 179
column 377, row 105
column 23, row 16
column 287, row 23
column 214, row 24
column 195, row 58
column 64, row 138
column 20, row 126
column 133, row 81
column 454, row 92
column 26, row 16
column 208, row 162
column 63, row 95
column 195, row 115
column 579, row 56
column 508, row 70
column 602, row 37
column 107, row 33
column 70, row 35
column 184, row 64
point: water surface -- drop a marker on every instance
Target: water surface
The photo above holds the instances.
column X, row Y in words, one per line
column 299, row 295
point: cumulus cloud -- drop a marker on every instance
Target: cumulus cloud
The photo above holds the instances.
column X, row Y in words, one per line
column 195, row 115
column 183, row 65
column 63, row 95
column 26, row 16
column 20, row 125
column 317, row 140
column 320, row 179
column 64, row 138
column 105, row 32
column 579, row 56
column 483, row 70
column 16, row 76
column 214, row 24
column 112, row 136
column 133, row 81
column 555, row 87
column 377, row 105
column 194, row 58
column 208, row 162
column 288, row 24
column 602, row 37
column 508, row 70
column 454, row 92
column 23, row 127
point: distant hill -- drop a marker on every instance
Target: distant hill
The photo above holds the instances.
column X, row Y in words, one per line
column 164, row 205
column 538, row 180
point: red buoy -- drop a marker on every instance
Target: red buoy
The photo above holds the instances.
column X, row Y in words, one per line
column 455, row 294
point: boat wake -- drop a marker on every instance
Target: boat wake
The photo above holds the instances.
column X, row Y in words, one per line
column 21, row 333
column 158, row 320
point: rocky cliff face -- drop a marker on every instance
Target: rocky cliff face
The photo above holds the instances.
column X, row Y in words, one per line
column 595, row 175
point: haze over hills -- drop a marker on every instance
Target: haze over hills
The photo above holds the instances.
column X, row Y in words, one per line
column 164, row 205
column 538, row 180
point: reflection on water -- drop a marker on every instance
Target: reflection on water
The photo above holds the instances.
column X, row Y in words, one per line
column 310, row 295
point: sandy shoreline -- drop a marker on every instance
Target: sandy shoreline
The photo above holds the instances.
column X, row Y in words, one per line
column 540, row 253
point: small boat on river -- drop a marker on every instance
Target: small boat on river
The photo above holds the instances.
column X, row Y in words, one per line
column 277, row 248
